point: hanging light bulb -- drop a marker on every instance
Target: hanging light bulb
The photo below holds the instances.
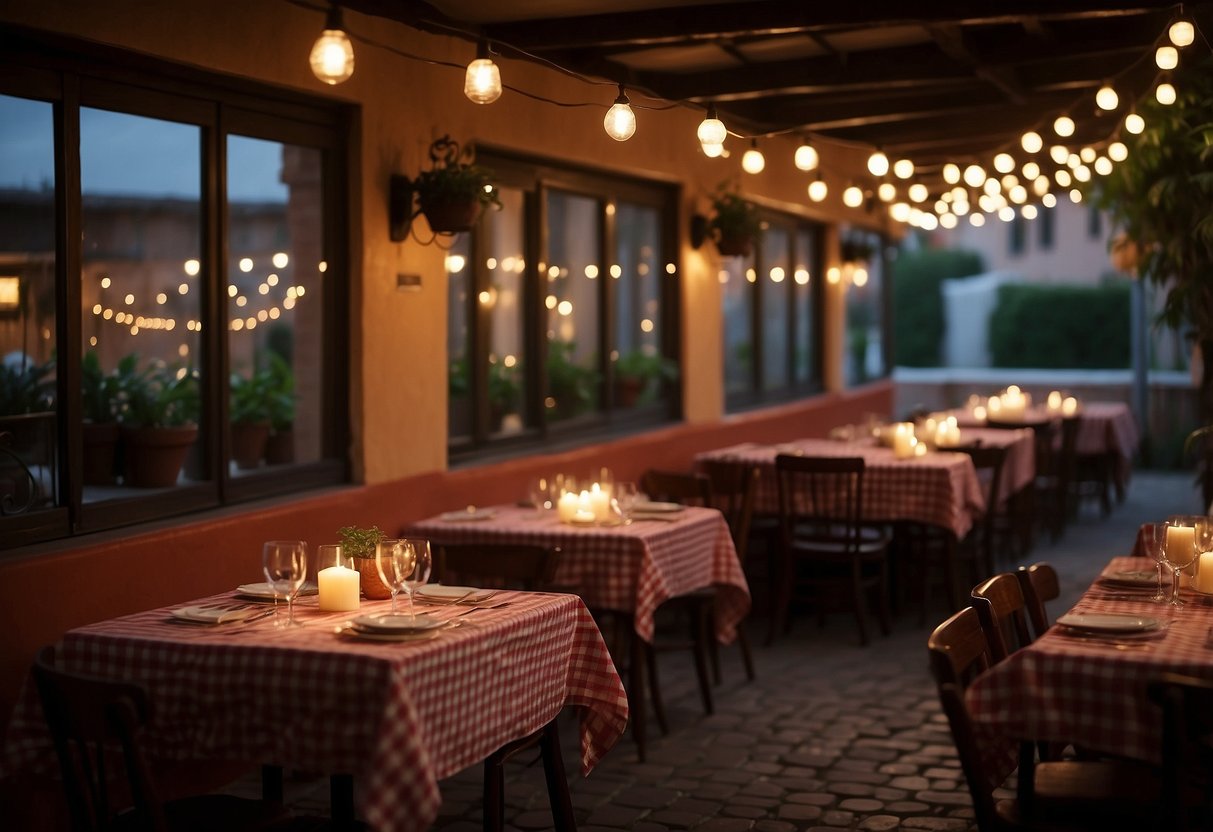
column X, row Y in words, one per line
column 753, row 161
column 900, row 211
column 1106, row 98
column 620, row 121
column 1032, row 142
column 1166, row 57
column 1076, row 196
column 806, row 157
column 332, row 57
column 713, row 151
column 1165, row 93
column 711, row 131
column 974, row 176
column 903, row 168
column 1059, row 154
column 1118, row 152
column 1134, row 123
column 852, row 197
column 1182, row 32
column 1087, row 155
column 1063, row 126
column 887, row 192
column 878, row 163
column 1103, row 165
column 482, row 83
column 951, row 173
column 818, row 190
column 1003, row 163
column 1048, row 200
column 918, row 192
column 1040, row 185
column 1030, row 170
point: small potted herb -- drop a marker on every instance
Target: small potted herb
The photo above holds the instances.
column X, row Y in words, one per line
column 280, row 400
column 159, row 424
column 734, row 223
column 453, row 191
column 637, row 373
column 360, row 544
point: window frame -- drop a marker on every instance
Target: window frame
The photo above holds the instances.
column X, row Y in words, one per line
column 537, row 178
column 71, row 74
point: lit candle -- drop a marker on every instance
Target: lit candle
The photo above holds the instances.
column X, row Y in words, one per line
column 338, row 589
column 583, row 516
column 979, row 413
column 920, row 448
column 1069, row 407
column 600, row 503
column 1054, row 401
column 1204, row 573
column 567, row 506
column 1181, row 544
column 903, row 440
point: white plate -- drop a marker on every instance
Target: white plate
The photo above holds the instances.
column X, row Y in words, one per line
column 471, row 513
column 396, row 623
column 363, row 635
column 217, row 615
column 1132, row 577
column 266, row 592
column 440, row 594
column 649, row 507
column 1093, row 622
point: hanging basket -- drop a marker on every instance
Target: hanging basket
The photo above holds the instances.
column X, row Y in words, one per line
column 735, row 245
column 451, row 217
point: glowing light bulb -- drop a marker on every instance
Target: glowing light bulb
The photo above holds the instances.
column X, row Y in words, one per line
column 974, row 176
column 332, row 57
column 900, row 211
column 1063, row 126
column 852, row 197
column 951, row 173
column 1182, row 33
column 711, row 129
column 1031, row 142
column 482, row 83
column 1076, row 196
column 1118, row 152
column 887, row 192
column 918, row 192
column 1166, row 57
column 977, row 220
column 1048, row 200
column 620, row 121
column 806, row 157
column 1165, row 94
column 1003, row 163
column 818, row 190
column 1134, row 123
column 753, row 161
column 903, row 168
column 712, row 151
column 1106, row 98
column 1030, row 170
column 878, row 164
column 1103, row 165
column 1059, row 154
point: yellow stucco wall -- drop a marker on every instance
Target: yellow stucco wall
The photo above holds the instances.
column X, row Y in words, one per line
column 398, row 357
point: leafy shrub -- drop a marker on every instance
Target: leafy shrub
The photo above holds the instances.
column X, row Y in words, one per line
column 1061, row 327
column 918, row 320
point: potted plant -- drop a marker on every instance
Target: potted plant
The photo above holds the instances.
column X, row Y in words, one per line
column 571, row 387
column 159, row 424
column 280, row 399
column 101, row 395
column 360, row 545
column 734, row 223
column 249, row 418
column 635, row 374
column 504, row 388
column 27, row 422
column 453, row 191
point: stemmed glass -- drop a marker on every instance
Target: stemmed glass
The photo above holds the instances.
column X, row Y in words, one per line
column 625, row 498
column 404, row 564
column 1179, row 551
column 540, row 492
column 284, row 563
column 1154, row 536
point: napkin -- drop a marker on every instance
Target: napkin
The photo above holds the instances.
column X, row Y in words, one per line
column 219, row 615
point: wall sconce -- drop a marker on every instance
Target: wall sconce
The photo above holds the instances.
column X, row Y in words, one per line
column 10, row 295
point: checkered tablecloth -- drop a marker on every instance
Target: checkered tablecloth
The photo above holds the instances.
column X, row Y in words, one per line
column 1092, row 692
column 1103, row 427
column 939, row 489
column 631, row 569
column 397, row 716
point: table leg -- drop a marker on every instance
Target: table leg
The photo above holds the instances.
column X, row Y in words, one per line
column 636, row 685
column 558, row 784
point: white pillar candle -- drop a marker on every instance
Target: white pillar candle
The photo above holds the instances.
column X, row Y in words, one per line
column 583, row 516
column 1054, row 401
column 1069, row 407
column 338, row 589
column 903, row 440
column 1204, row 573
column 600, row 503
column 567, row 506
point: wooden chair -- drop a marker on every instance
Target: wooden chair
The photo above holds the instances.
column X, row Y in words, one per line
column 1039, row 583
column 1187, row 751
column 820, row 511
column 1000, row 608
column 733, row 486
column 529, row 567
column 91, row 720
column 989, row 461
column 1058, row 796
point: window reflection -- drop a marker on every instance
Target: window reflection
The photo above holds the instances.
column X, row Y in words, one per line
column 636, row 274
column 501, row 297
column 738, row 274
column 573, row 279
column 774, row 294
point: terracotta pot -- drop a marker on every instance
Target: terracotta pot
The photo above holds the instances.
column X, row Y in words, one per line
column 153, row 456
column 280, row 448
column 373, row 586
column 248, row 443
column 451, row 217
column 100, row 441
column 628, row 390
column 731, row 245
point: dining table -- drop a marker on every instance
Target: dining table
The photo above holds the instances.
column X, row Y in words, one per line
column 625, row 568
column 1089, row 688
column 395, row 714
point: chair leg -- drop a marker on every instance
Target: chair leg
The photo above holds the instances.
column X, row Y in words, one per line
column 494, row 794
column 650, row 660
column 713, row 648
column 747, row 655
column 783, row 600
column 699, row 640
column 882, row 600
column 861, row 607
column 558, row 784
column 636, row 691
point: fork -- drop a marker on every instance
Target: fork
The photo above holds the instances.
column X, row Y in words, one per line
column 478, row 609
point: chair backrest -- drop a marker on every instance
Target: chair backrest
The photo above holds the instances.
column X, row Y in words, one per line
column 511, row 564
column 820, row 497
column 959, row 654
column 989, row 461
column 1187, row 742
column 1000, row 608
column 1044, row 432
column 678, row 487
column 89, row 720
column 1039, row 584
column 734, row 485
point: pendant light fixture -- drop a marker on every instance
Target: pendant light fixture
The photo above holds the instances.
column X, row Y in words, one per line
column 806, row 157
column 753, row 161
column 620, row 121
column 482, row 83
column 712, row 133
column 332, row 57
column 1182, row 32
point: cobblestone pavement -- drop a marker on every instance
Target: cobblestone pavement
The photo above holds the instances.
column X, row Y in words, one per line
column 831, row 736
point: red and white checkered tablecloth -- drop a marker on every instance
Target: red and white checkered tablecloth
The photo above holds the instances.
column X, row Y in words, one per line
column 398, row 716
column 632, row 568
column 1092, row 692
column 939, row 489
column 1103, row 427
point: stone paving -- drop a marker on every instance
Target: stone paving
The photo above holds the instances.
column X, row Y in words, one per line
column 831, row 736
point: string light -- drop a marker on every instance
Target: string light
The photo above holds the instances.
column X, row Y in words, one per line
column 887, row 192
column 852, row 197
column 712, row 133
column 1031, row 142
column 332, row 57
column 620, row 121
column 1134, row 123
column 753, row 161
column 1106, row 98
column 1059, row 154
column 1118, row 152
column 951, row 173
column 878, row 163
column 1003, row 163
column 818, row 190
column 1030, row 170
column 1063, row 126
column 1166, row 57
column 806, row 157
column 1165, row 94
column 918, row 192
column 1182, row 32
column 974, row 176
column 482, row 83
column 903, row 169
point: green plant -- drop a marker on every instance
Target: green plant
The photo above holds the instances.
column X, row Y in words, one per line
column 1061, row 327
column 451, row 180
column 360, row 543
column 732, row 216
column 1161, row 196
column 572, row 387
column 917, row 297
column 280, row 393
column 26, row 387
column 162, row 396
column 101, row 392
column 645, row 365
column 504, row 387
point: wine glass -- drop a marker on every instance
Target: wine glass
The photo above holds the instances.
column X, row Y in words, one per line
column 625, row 497
column 1179, row 551
column 403, row 564
column 284, row 563
column 540, row 491
column 1154, row 536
